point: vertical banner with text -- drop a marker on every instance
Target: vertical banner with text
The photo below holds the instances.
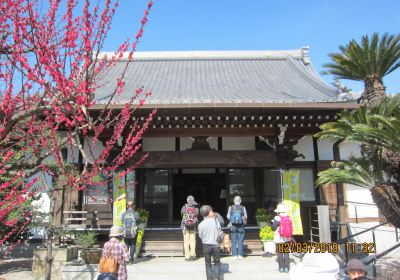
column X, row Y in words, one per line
column 291, row 198
column 119, row 199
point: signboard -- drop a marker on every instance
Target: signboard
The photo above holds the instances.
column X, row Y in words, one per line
column 291, row 198
column 119, row 199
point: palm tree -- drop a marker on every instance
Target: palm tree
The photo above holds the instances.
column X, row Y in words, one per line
column 377, row 129
column 369, row 62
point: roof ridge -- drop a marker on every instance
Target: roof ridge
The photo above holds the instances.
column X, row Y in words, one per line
column 192, row 55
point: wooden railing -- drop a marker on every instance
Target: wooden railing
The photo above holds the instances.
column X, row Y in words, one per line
column 82, row 220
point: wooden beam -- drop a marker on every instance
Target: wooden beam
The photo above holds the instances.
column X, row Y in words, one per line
column 227, row 131
column 209, row 159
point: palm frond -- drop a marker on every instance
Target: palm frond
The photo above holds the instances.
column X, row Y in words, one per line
column 379, row 126
column 373, row 59
column 355, row 172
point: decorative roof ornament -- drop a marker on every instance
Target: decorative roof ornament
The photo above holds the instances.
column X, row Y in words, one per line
column 344, row 93
column 305, row 56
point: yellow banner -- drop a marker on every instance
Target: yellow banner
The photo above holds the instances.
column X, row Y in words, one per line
column 119, row 199
column 291, row 198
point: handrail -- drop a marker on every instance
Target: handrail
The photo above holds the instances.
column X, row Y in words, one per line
column 344, row 240
column 363, row 203
column 371, row 258
column 374, row 258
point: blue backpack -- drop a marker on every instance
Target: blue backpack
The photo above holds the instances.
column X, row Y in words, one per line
column 131, row 227
column 236, row 215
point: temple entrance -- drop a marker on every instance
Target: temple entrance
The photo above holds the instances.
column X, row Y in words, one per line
column 206, row 188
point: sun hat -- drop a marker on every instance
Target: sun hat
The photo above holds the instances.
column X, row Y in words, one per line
column 315, row 266
column 116, row 231
column 355, row 264
column 281, row 208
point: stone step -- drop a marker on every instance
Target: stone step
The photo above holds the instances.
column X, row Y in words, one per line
column 175, row 248
column 169, row 242
column 175, row 268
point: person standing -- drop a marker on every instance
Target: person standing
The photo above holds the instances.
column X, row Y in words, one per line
column 282, row 225
column 237, row 216
column 131, row 221
column 118, row 250
column 208, row 233
column 189, row 212
column 356, row 270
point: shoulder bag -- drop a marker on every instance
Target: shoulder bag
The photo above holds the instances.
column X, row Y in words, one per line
column 108, row 263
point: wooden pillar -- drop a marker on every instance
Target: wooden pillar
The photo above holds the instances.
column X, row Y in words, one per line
column 317, row 191
column 341, row 212
column 140, row 191
column 339, row 186
column 259, row 186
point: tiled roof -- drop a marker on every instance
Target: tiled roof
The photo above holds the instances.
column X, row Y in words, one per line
column 219, row 78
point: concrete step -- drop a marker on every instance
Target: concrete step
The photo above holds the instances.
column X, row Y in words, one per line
column 168, row 268
column 169, row 242
column 175, row 248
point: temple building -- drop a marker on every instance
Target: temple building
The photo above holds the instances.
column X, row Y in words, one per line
column 227, row 124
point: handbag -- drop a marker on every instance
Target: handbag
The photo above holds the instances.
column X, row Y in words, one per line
column 108, row 263
column 220, row 234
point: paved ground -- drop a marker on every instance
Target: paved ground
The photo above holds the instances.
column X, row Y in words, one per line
column 253, row 267
column 175, row 268
column 170, row 268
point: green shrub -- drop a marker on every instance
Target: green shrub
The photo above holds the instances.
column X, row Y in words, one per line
column 266, row 233
column 262, row 215
column 144, row 215
column 86, row 239
column 261, row 212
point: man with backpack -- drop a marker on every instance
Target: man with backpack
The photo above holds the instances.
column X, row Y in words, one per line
column 283, row 227
column 131, row 221
column 190, row 213
column 237, row 216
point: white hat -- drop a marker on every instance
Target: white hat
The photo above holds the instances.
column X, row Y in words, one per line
column 281, row 208
column 315, row 266
column 116, row 231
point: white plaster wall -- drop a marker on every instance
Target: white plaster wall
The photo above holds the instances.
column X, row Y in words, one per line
column 357, row 195
column 158, row 144
column 325, row 149
column 74, row 150
column 348, row 150
column 385, row 237
column 97, row 148
column 73, row 154
column 305, row 147
column 238, row 143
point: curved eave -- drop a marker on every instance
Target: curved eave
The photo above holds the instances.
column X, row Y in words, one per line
column 310, row 105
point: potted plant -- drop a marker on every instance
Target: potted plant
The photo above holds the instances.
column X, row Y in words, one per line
column 86, row 241
column 263, row 217
column 266, row 235
column 144, row 217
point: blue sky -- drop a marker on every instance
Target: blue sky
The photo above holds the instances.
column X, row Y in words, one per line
column 258, row 25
